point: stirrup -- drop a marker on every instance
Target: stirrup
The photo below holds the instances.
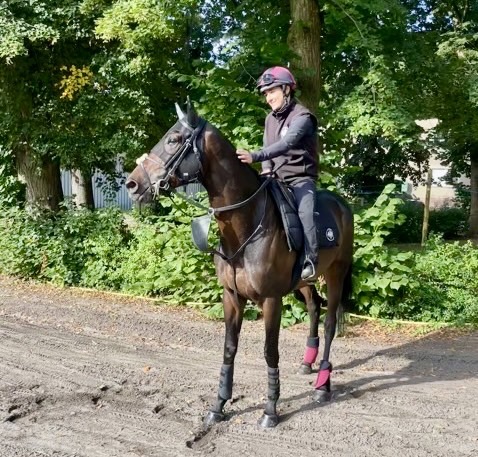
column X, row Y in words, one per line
column 308, row 271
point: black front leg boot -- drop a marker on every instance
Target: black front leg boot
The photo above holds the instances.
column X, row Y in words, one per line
column 270, row 418
column 216, row 413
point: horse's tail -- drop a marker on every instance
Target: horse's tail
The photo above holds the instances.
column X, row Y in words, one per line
column 347, row 286
column 346, row 304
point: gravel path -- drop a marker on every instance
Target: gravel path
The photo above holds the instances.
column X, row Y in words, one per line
column 100, row 375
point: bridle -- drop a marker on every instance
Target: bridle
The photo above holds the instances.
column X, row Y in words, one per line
column 174, row 163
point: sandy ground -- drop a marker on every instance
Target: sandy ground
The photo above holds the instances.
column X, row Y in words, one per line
column 97, row 375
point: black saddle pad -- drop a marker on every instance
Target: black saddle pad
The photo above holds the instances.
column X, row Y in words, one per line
column 328, row 233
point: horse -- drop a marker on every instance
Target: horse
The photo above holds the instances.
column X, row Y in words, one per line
column 254, row 261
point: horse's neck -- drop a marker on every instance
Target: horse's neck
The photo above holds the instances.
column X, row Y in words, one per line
column 229, row 182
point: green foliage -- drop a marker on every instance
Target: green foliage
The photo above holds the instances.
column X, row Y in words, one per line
column 447, row 284
column 162, row 260
column 11, row 189
column 450, row 222
column 410, row 231
column 381, row 275
column 154, row 255
column 73, row 247
column 217, row 90
column 293, row 312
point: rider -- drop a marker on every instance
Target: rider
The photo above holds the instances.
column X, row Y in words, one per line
column 290, row 138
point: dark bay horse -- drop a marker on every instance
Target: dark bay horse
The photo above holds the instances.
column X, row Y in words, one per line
column 254, row 262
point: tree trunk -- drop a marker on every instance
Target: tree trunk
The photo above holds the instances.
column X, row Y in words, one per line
column 82, row 189
column 42, row 179
column 304, row 41
column 474, row 195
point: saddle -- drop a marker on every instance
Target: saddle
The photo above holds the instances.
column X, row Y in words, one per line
column 327, row 231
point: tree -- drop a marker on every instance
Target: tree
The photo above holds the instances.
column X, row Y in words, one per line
column 77, row 94
column 368, row 104
column 449, row 30
column 304, row 41
column 23, row 46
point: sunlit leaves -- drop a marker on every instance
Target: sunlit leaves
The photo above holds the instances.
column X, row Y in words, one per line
column 17, row 29
column 74, row 80
column 134, row 23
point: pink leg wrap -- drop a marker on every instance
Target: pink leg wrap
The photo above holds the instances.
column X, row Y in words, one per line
column 311, row 350
column 323, row 378
column 310, row 355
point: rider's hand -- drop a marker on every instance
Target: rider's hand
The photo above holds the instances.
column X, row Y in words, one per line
column 244, row 156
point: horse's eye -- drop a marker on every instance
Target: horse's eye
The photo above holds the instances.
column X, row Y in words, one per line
column 172, row 140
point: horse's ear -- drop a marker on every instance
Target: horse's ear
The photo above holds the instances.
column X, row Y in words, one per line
column 179, row 112
column 193, row 118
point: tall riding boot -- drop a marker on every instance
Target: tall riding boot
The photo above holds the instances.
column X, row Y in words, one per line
column 311, row 245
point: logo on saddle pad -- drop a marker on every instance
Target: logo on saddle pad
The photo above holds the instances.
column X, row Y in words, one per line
column 329, row 234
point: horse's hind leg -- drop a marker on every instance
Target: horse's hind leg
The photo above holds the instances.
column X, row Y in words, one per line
column 313, row 301
column 233, row 314
column 272, row 308
column 334, row 278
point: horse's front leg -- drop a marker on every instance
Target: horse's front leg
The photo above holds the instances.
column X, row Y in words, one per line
column 272, row 308
column 233, row 314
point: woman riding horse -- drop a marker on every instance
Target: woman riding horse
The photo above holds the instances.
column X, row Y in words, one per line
column 290, row 142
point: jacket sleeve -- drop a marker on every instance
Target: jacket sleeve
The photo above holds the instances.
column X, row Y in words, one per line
column 266, row 165
column 299, row 127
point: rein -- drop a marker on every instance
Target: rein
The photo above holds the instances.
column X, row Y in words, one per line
column 213, row 211
column 201, row 224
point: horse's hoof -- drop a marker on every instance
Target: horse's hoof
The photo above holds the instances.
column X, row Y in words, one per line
column 322, row 396
column 268, row 420
column 213, row 418
column 304, row 369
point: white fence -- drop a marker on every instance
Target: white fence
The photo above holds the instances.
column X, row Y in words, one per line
column 102, row 195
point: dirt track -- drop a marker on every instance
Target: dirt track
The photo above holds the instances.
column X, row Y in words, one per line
column 85, row 374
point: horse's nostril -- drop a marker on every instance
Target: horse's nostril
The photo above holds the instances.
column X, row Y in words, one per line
column 131, row 185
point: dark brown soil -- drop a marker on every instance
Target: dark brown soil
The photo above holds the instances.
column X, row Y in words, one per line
column 99, row 375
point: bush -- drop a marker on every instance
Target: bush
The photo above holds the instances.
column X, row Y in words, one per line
column 410, row 231
column 447, row 289
column 155, row 256
column 382, row 276
column 451, row 222
column 162, row 261
column 72, row 247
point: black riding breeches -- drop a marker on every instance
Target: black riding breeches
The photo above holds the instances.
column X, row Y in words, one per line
column 304, row 193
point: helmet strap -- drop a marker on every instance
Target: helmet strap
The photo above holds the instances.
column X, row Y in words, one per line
column 287, row 97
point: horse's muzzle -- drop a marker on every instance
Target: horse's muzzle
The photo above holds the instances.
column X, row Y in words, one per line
column 136, row 193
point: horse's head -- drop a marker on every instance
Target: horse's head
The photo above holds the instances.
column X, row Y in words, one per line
column 174, row 161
